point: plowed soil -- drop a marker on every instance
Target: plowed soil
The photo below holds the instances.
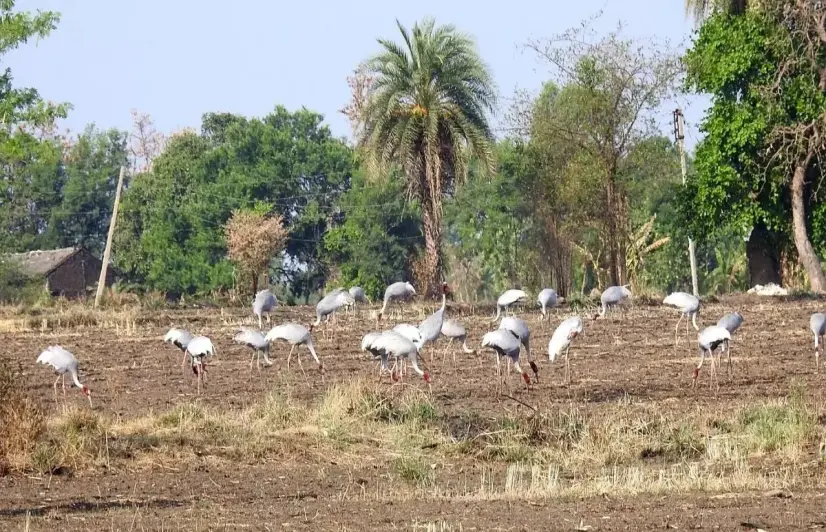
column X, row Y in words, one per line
column 630, row 354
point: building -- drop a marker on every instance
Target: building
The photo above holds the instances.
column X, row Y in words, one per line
column 70, row 272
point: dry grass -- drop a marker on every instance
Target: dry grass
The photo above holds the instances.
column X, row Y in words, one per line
column 21, row 422
column 621, row 449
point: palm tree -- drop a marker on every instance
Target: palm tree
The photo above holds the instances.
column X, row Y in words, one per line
column 700, row 9
column 427, row 113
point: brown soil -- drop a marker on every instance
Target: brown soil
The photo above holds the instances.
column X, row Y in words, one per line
column 630, row 356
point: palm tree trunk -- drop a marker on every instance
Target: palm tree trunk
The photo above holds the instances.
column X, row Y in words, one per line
column 432, row 226
column 805, row 251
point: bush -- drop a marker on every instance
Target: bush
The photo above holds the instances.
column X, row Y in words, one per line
column 22, row 423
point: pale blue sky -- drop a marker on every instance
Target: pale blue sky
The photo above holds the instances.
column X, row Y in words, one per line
column 177, row 59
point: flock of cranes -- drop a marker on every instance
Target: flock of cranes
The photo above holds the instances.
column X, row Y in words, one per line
column 394, row 348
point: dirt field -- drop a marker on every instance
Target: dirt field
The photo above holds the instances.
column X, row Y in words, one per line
column 625, row 363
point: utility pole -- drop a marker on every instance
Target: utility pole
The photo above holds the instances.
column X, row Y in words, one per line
column 679, row 137
column 108, row 250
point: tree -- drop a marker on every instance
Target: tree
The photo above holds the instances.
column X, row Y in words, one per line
column 29, row 156
column 378, row 237
column 253, row 238
column 757, row 164
column 611, row 89
column 427, row 114
column 91, row 164
column 699, row 10
column 171, row 236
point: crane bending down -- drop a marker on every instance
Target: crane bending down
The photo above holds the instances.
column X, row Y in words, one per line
column 295, row 335
column 431, row 328
column 548, row 299
column 265, row 302
column 378, row 355
column 612, row 296
column 329, row 304
column 199, row 349
column 507, row 299
column 359, row 296
column 397, row 346
column 562, row 338
column 180, row 338
column 817, row 324
column 257, row 342
column 63, row 362
column 411, row 332
column 505, row 344
column 731, row 322
column 710, row 339
column 688, row 305
column 520, row 329
column 396, row 292
column 453, row 330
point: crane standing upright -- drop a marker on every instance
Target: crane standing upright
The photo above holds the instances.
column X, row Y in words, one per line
column 519, row 328
column 564, row 334
column 431, row 327
column 688, row 305
column 264, row 303
column 817, row 324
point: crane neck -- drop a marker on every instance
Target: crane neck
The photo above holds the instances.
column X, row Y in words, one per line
column 76, row 380
column 444, row 301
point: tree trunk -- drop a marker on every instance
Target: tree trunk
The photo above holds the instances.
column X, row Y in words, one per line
column 613, row 252
column 254, row 283
column 431, row 222
column 805, row 251
column 763, row 256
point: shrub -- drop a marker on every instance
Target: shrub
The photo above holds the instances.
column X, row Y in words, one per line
column 22, row 423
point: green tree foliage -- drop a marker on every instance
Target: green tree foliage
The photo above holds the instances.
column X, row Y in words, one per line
column 378, row 237
column 29, row 156
column 489, row 228
column 90, row 170
column 427, row 114
column 171, row 235
column 757, row 149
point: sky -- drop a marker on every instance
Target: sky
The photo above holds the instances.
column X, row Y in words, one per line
column 177, row 59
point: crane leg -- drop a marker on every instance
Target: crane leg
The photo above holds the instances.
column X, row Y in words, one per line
column 63, row 380
column 301, row 366
column 266, row 358
column 183, row 362
column 254, row 356
column 697, row 369
column 55, row 387
column 817, row 360
column 290, row 356
column 567, row 367
column 728, row 357
column 677, row 332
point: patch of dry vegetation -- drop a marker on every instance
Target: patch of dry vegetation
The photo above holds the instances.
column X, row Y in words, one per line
column 21, row 422
column 574, row 452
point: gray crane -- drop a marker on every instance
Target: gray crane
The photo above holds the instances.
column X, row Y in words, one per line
column 329, row 304
column 256, row 341
column 453, row 330
column 817, row 324
column 688, row 306
column 199, row 349
column 400, row 348
column 296, row 335
column 264, row 303
column 180, row 338
column 505, row 344
column 378, row 355
column 63, row 362
column 431, row 328
column 612, row 296
column 396, row 292
column 548, row 299
column 508, row 299
column 731, row 322
column 567, row 331
column 359, row 296
column 519, row 328
column 708, row 340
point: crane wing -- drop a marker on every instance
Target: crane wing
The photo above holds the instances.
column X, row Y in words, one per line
column 57, row 357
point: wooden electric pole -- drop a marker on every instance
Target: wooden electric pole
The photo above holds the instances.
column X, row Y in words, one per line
column 108, row 250
column 679, row 137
